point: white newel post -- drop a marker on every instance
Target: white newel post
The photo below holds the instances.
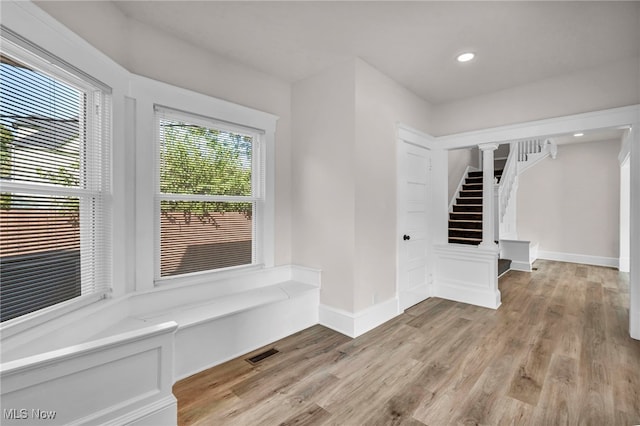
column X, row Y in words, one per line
column 496, row 212
column 488, row 213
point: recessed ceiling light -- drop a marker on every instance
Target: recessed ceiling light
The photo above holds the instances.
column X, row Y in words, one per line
column 577, row 135
column 465, row 57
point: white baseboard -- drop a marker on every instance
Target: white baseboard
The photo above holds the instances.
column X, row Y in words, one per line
column 160, row 413
column 625, row 265
column 578, row 258
column 355, row 324
column 520, row 266
column 467, row 294
column 337, row 319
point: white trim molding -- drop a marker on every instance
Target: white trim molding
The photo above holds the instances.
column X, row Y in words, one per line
column 614, row 117
column 416, row 137
column 355, row 324
column 149, row 93
column 578, row 258
column 625, row 211
column 634, row 231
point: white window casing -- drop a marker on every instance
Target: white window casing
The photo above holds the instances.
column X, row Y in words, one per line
column 56, row 222
column 209, row 178
column 152, row 96
column 127, row 179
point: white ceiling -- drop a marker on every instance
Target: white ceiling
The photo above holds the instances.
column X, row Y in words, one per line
column 590, row 136
column 415, row 43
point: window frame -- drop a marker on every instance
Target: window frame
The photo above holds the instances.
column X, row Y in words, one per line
column 130, row 201
column 94, row 187
column 257, row 197
column 147, row 94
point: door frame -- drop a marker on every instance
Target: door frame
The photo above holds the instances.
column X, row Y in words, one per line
column 629, row 117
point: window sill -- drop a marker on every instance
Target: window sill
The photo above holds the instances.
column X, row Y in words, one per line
column 206, row 276
column 18, row 325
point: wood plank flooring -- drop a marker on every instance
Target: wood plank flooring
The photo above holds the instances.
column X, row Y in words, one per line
column 557, row 352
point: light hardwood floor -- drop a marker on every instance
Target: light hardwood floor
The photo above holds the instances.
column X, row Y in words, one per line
column 556, row 352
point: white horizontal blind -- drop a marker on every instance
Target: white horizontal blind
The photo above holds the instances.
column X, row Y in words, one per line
column 54, row 175
column 208, row 195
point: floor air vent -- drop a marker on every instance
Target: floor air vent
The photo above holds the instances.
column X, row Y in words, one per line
column 266, row 354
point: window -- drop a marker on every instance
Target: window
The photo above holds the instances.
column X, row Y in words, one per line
column 209, row 194
column 53, row 176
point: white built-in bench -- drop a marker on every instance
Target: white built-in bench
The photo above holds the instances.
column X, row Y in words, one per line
column 222, row 319
column 149, row 340
column 194, row 314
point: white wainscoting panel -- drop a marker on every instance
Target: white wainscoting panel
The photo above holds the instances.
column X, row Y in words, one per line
column 467, row 274
column 522, row 253
column 205, row 344
column 98, row 382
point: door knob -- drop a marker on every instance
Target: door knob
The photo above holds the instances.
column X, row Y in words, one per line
column 406, row 237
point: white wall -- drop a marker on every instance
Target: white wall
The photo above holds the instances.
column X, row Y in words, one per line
column 344, row 188
column 381, row 103
column 609, row 86
column 324, row 180
column 152, row 53
column 109, row 33
column 571, row 204
column 344, row 155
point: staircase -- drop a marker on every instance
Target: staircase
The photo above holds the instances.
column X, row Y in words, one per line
column 465, row 212
column 523, row 154
column 465, row 219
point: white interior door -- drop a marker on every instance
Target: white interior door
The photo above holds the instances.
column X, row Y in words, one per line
column 414, row 172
